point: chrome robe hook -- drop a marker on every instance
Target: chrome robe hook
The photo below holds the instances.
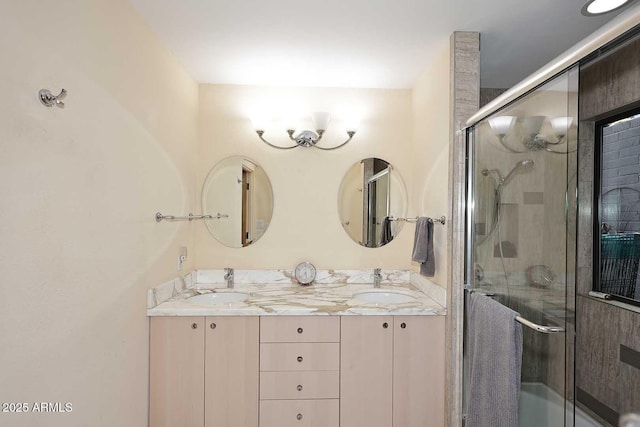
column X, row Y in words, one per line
column 49, row 99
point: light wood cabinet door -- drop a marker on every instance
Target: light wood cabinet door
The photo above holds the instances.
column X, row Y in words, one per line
column 176, row 382
column 231, row 373
column 366, row 371
column 418, row 371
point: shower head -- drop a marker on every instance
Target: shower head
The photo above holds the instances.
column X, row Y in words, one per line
column 526, row 163
column 521, row 165
column 502, row 180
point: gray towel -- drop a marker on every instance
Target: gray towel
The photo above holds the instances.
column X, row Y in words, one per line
column 423, row 247
column 494, row 362
column 385, row 234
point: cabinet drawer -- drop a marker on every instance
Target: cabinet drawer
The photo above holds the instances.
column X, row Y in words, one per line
column 299, row 357
column 299, row 413
column 300, row 329
column 300, row 385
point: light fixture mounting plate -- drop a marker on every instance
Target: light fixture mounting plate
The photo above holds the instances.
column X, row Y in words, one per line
column 307, row 138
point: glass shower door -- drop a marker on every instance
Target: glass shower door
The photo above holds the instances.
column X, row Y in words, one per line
column 521, row 235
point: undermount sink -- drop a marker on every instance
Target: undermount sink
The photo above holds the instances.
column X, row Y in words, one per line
column 383, row 297
column 216, row 298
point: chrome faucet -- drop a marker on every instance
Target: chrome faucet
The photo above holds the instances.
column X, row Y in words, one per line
column 228, row 276
column 377, row 277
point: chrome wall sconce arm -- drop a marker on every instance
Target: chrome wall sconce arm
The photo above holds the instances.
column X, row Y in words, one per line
column 260, row 132
column 48, row 99
column 349, row 132
column 308, row 138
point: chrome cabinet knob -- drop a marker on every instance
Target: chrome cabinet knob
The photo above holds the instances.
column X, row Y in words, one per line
column 299, row 416
column 194, row 326
column 213, row 326
column 403, row 325
column 385, row 325
column 300, row 330
column 299, row 387
column 300, row 359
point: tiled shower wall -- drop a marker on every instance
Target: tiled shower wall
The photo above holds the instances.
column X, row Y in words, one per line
column 607, row 380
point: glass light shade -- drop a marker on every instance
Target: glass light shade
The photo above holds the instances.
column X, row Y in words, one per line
column 532, row 125
column 502, row 125
column 320, row 120
column 259, row 122
column 596, row 7
column 351, row 124
column 561, row 125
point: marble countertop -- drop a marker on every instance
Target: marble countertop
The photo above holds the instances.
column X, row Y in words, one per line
column 293, row 299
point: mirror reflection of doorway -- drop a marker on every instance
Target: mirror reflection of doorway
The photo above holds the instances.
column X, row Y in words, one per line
column 247, row 203
column 378, row 207
column 376, row 175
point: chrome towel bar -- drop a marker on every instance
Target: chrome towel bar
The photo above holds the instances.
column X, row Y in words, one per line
column 539, row 328
column 442, row 220
column 528, row 323
column 190, row 217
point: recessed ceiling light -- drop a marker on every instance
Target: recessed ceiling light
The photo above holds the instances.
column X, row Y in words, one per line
column 598, row 7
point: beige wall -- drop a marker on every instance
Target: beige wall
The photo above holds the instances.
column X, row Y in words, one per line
column 430, row 155
column 79, row 189
column 305, row 223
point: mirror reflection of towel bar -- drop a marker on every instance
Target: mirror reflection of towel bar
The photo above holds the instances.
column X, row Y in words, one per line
column 442, row 220
column 190, row 217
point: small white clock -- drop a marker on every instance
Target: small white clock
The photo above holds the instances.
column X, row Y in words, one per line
column 305, row 273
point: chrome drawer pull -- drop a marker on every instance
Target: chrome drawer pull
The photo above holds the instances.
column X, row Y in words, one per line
column 299, row 387
column 299, row 358
column 299, row 416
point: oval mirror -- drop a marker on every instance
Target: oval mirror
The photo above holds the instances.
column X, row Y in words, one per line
column 372, row 195
column 238, row 194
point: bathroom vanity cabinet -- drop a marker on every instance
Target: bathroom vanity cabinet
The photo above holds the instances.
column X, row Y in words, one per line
column 392, row 371
column 281, row 371
column 204, row 371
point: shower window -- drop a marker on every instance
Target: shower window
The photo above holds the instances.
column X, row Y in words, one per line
column 618, row 192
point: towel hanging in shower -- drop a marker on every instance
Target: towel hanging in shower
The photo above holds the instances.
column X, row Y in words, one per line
column 494, row 363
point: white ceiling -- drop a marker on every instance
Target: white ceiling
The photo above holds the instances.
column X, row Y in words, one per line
column 360, row 43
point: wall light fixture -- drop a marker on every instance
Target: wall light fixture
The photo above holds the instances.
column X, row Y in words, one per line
column 503, row 126
column 306, row 138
